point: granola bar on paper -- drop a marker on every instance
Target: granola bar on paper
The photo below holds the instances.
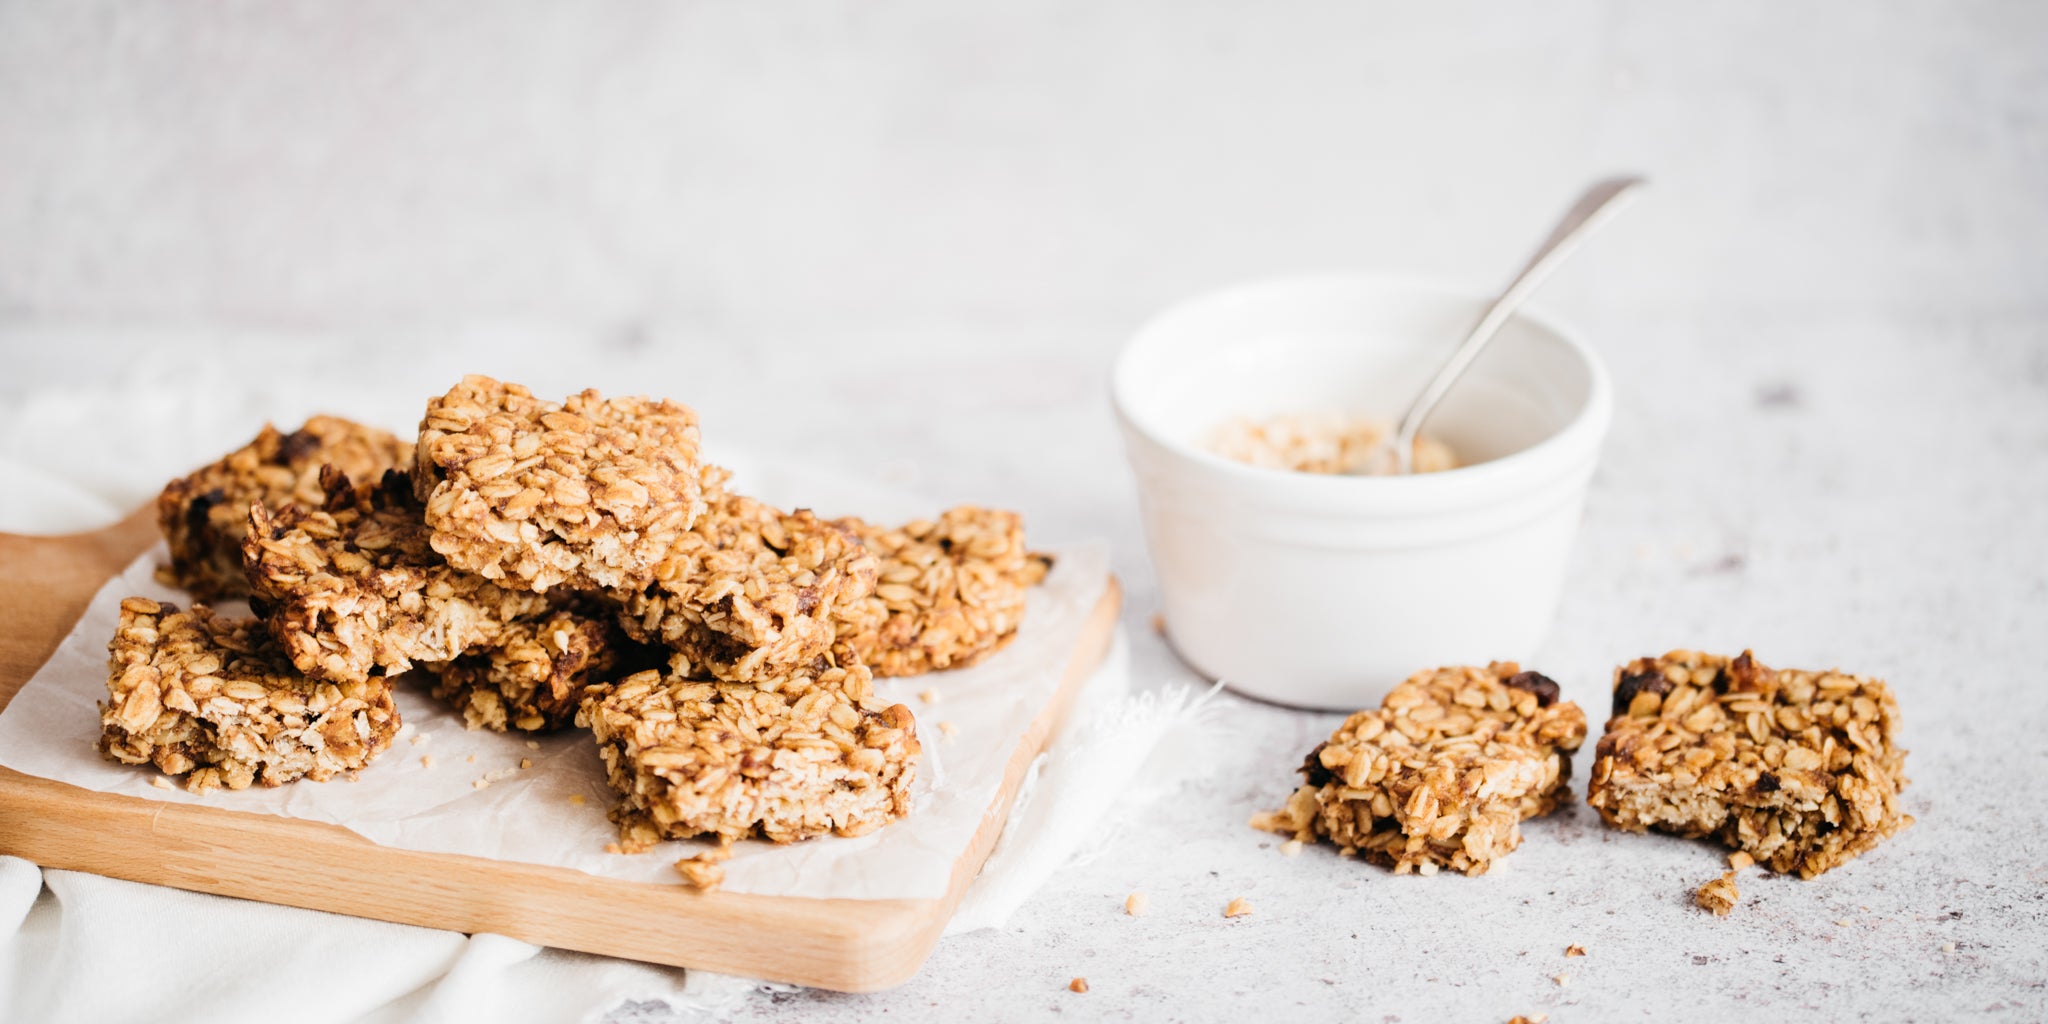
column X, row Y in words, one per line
column 217, row 701
column 950, row 591
column 1442, row 774
column 354, row 587
column 1801, row 770
column 750, row 593
column 204, row 516
column 732, row 760
column 590, row 492
column 537, row 672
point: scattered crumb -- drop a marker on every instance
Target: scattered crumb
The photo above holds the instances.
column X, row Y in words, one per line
column 426, row 760
column 1238, row 907
column 1540, row 1018
column 1842, row 922
column 1561, row 979
column 471, row 759
column 497, row 775
column 1159, row 623
column 1136, row 904
column 1575, row 950
column 525, row 762
column 1290, row 848
column 480, row 784
column 929, row 696
column 1739, row 860
column 1718, row 895
column 1078, row 985
column 613, row 848
column 1948, row 947
column 533, row 744
column 949, row 730
column 705, row 870
column 576, row 798
column 421, row 738
column 160, row 782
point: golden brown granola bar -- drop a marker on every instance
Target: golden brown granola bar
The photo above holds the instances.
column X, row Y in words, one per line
column 354, row 586
column 217, row 701
column 533, row 678
column 591, row 492
column 205, row 515
column 950, row 592
column 1802, row 770
column 750, row 592
column 1442, row 774
column 732, row 760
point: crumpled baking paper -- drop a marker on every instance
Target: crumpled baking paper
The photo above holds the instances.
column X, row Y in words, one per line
column 423, row 793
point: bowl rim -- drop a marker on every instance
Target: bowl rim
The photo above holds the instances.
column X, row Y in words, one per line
column 1561, row 451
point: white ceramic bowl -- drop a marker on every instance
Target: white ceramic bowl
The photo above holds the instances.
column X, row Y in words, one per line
column 1325, row 591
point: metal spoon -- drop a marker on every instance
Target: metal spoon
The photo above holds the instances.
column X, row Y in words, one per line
column 1397, row 454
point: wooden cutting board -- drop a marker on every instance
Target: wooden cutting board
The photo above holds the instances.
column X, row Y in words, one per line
column 848, row 945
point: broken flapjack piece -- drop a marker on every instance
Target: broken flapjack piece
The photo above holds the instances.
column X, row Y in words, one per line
column 814, row 755
column 534, row 676
column 354, row 587
column 705, row 870
column 1442, row 774
column 950, row 591
column 1800, row 770
column 750, row 592
column 589, row 492
column 216, row 700
column 205, row 515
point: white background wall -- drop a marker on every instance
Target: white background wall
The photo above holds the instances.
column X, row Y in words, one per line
column 749, row 169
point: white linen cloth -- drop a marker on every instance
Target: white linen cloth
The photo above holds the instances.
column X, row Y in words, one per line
column 78, row 947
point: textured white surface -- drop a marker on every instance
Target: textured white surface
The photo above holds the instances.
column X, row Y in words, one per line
column 911, row 237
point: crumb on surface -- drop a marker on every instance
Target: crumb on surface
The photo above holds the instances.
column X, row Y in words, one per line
column 1948, row 947
column 525, row 762
column 948, row 730
column 1718, row 895
column 1739, row 860
column 577, row 799
column 1078, row 985
column 1137, row 903
column 1562, row 979
column 1575, row 950
column 930, row 695
column 1159, row 623
column 160, row 782
column 426, row 760
column 1290, row 848
column 1238, row 907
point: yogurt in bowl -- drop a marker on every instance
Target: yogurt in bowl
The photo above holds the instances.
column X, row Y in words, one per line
column 1324, row 590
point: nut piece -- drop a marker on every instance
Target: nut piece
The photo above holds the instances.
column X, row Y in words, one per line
column 354, row 587
column 591, row 492
column 705, row 870
column 1800, row 770
column 750, row 593
column 217, row 701
column 951, row 591
column 1238, row 907
column 1718, row 895
column 1574, row 950
column 809, row 757
column 1442, row 774
column 204, row 516
column 537, row 672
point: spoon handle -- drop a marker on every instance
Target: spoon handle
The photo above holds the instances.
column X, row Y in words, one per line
column 1593, row 209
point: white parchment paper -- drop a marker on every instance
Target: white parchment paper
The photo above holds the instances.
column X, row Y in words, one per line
column 407, row 801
